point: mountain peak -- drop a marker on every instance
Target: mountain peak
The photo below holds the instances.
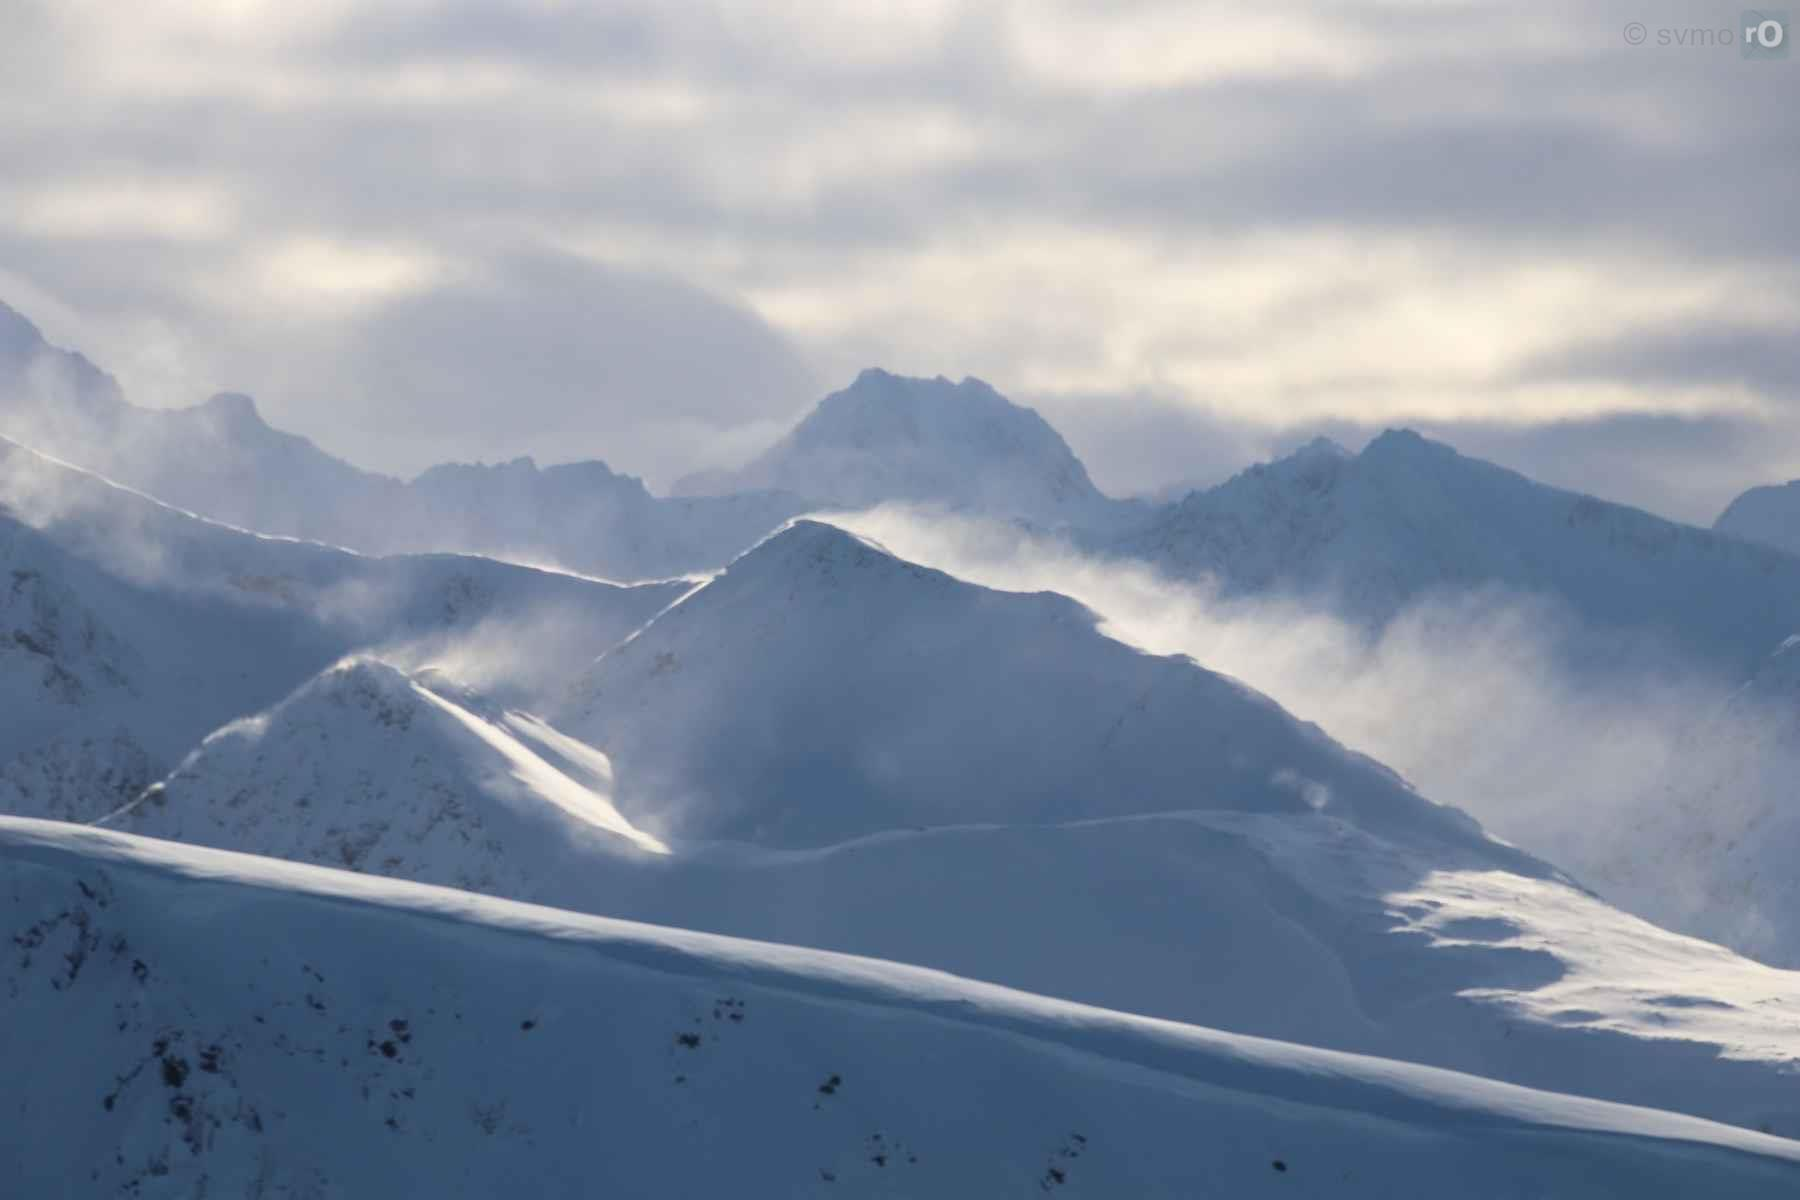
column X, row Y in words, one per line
column 234, row 410
column 891, row 437
column 808, row 548
column 1393, row 444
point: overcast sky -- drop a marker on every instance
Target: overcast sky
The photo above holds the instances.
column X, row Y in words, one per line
column 1188, row 233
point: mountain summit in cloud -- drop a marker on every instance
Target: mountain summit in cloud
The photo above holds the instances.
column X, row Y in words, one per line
column 897, row 438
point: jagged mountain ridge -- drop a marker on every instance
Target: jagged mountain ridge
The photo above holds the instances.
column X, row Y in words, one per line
column 221, row 459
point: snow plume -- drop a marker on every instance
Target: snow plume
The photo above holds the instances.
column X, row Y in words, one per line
column 1640, row 773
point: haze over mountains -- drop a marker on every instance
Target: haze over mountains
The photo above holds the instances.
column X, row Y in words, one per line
column 815, row 738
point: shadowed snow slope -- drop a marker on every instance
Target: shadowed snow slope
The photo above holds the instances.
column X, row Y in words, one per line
column 821, row 689
column 129, row 630
column 199, row 1023
column 1372, row 533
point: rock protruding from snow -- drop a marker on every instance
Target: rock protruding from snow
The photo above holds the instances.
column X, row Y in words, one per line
column 960, row 445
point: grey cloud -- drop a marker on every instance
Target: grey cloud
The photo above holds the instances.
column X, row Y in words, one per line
column 1466, row 131
column 1764, row 360
column 553, row 355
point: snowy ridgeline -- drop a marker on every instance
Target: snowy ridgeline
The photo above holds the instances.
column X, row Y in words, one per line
column 200, row 1023
column 1303, row 892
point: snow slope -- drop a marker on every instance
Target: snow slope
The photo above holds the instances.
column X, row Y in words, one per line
column 894, row 438
column 1372, row 533
column 820, row 689
column 131, row 630
column 1290, row 925
column 1294, row 897
column 198, row 1023
column 1770, row 515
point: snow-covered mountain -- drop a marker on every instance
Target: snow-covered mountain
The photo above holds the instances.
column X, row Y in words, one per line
column 958, row 445
column 1406, row 519
column 1023, row 829
column 1770, row 515
column 200, row 1023
column 821, row 689
column 365, row 768
column 131, row 630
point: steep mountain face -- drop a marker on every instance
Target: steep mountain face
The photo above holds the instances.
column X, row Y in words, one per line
column 364, row 768
column 131, row 630
column 1770, row 515
column 1407, row 519
column 228, row 1025
column 820, row 689
column 960, row 445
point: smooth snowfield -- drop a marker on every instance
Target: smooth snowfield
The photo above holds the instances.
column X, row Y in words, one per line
column 195, row 1022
